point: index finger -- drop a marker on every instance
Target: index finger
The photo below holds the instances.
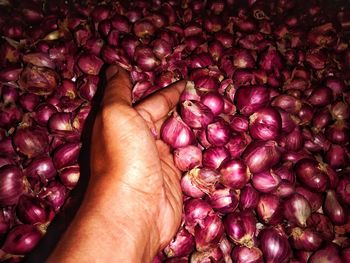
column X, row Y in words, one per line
column 158, row 105
column 118, row 89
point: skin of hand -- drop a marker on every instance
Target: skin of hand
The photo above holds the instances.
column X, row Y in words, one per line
column 133, row 204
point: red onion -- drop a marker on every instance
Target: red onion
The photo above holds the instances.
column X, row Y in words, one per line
column 42, row 168
column 265, row 124
column 320, row 96
column 269, row 209
column 209, row 233
column 214, row 102
column 315, row 199
column 30, row 141
column 145, row 58
column 322, row 225
column 32, row 210
column 21, row 239
column 240, row 227
column 43, row 112
column 239, row 123
column 69, row 176
column 305, row 239
column 297, row 210
column 176, row 133
column 287, row 103
column 236, row 145
column 12, row 185
column 38, row 80
column 211, row 255
column 213, row 157
column 333, row 209
column 326, row 254
column 274, row 245
column 190, row 188
column 249, row 198
column 234, row 174
column 260, row 156
column 55, row 194
column 196, row 114
column 188, row 157
column 66, row 155
column 242, row 254
column 224, row 200
column 90, row 64
column 338, row 133
column 249, row 99
column 309, row 173
column 196, row 210
column 218, row 133
column 266, row 181
column 343, row 189
column 293, row 141
column 181, row 245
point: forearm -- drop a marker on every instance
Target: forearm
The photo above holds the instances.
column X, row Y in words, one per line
column 103, row 231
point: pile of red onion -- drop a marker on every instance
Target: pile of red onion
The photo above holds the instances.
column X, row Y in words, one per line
column 261, row 132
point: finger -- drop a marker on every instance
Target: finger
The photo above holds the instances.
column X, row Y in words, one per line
column 118, row 89
column 159, row 104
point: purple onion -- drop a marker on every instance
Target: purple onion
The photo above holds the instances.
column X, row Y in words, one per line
column 274, row 245
column 21, row 239
column 241, row 227
column 224, row 200
column 176, row 133
column 214, row 156
column 66, row 155
column 249, row 198
column 30, row 141
column 218, row 133
column 181, row 245
column 333, row 209
column 195, row 114
column 243, row 254
column 234, row 174
column 12, row 185
column 266, row 181
column 265, row 124
column 55, row 194
column 69, row 176
column 260, row 156
column 269, row 209
column 188, row 157
column 297, row 209
column 208, row 234
column 249, row 99
column 32, row 210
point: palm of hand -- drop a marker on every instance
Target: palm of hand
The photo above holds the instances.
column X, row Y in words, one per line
column 143, row 160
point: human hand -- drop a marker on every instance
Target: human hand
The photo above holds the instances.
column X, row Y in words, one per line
column 128, row 157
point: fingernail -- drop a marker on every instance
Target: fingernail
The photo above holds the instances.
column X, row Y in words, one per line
column 111, row 71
